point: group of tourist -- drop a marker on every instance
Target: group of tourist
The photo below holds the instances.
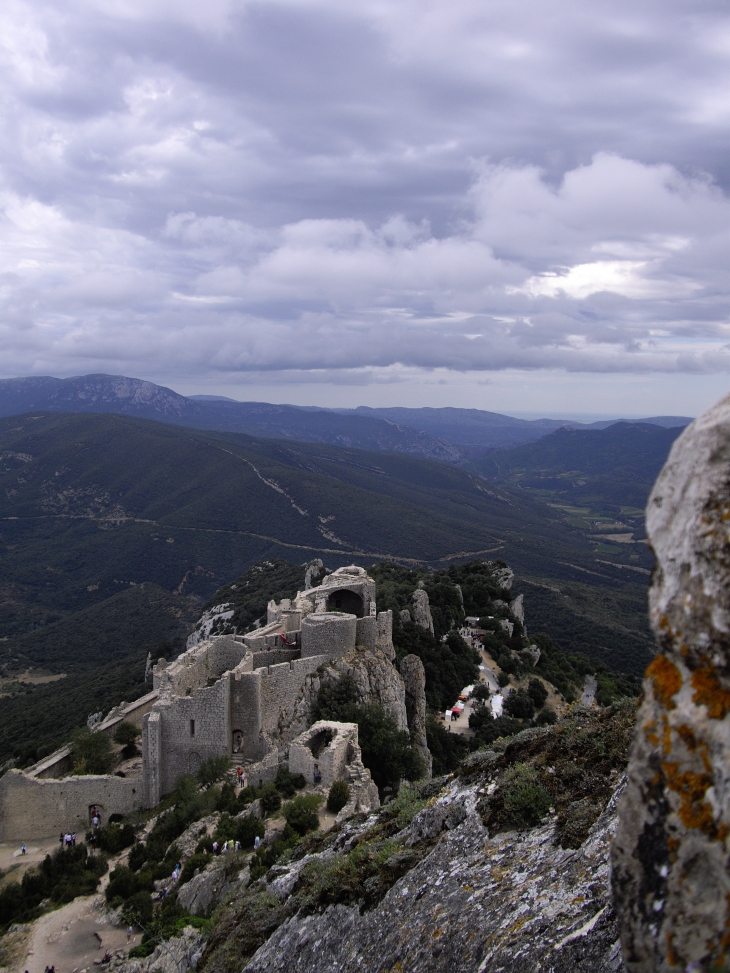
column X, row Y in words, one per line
column 226, row 846
column 68, row 840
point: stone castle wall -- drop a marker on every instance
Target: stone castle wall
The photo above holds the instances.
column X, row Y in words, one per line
column 328, row 633
column 194, row 668
column 280, row 690
column 245, row 712
column 272, row 657
column 32, row 808
column 193, row 728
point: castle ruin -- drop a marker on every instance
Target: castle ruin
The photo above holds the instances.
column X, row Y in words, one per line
column 236, row 696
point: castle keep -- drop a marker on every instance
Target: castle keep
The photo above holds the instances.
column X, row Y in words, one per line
column 236, row 696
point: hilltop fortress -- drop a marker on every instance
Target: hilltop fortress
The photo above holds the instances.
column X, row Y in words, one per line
column 243, row 696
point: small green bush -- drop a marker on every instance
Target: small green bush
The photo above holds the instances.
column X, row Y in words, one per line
column 287, row 783
column 91, row 752
column 143, row 950
column 115, row 838
column 248, row 829
column 503, row 679
column 126, row 736
column 526, row 801
column 546, row 717
column 138, row 909
column 228, row 800
column 338, row 796
column 212, row 770
column 301, row 813
column 247, row 795
column 519, row 705
column 137, row 856
column 270, row 798
column 537, row 692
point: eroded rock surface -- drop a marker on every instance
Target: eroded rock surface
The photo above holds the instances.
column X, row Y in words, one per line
column 422, row 610
column 670, row 857
column 512, row 903
column 440, row 878
column 414, row 681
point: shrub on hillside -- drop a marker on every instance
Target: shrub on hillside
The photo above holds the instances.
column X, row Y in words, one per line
column 338, row 796
column 270, row 798
column 447, row 749
column 212, row 770
column 126, row 736
column 60, row 877
column 526, row 801
column 519, row 705
column 115, row 838
column 546, row 717
column 301, row 813
column 91, row 753
column 537, row 692
column 287, row 784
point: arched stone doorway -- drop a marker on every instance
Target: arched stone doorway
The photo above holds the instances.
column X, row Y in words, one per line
column 344, row 600
column 96, row 811
column 194, row 762
column 237, row 742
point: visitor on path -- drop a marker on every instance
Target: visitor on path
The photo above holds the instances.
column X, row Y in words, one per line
column 73, row 839
column 22, row 848
column 237, row 846
column 317, row 774
column 257, row 843
column 215, row 847
column 130, row 932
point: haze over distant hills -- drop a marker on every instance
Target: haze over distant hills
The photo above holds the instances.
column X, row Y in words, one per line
column 449, row 435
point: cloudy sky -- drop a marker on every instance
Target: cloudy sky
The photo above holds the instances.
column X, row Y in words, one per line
column 511, row 205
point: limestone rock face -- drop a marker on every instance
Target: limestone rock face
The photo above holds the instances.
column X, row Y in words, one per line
column 414, row 681
column 670, row 875
column 376, row 680
column 514, row 902
column 517, row 607
column 422, row 610
column 203, row 892
column 404, row 616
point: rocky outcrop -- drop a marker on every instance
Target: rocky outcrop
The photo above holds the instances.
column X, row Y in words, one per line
column 376, row 680
column 414, row 682
column 517, row 607
column 177, row 955
column 209, row 886
column 422, row 610
column 440, row 878
column 670, row 874
column 514, row 902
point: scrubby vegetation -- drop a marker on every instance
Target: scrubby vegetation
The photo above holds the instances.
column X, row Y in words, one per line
column 339, row 795
column 91, row 753
column 59, row 879
column 126, row 735
column 114, row 837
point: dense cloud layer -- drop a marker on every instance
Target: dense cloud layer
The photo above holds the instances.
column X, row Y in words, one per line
column 229, row 188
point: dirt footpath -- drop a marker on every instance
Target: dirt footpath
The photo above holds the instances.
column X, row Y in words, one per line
column 67, row 938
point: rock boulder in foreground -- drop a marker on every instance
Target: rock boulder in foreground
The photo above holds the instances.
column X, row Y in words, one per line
column 670, row 877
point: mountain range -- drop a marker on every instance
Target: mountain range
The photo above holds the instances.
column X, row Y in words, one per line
column 450, row 435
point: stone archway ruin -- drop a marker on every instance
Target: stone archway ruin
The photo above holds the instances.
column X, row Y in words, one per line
column 345, row 600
